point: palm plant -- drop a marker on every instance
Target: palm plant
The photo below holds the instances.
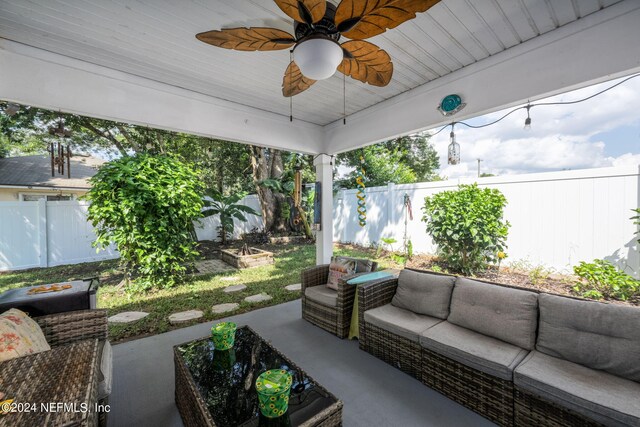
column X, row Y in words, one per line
column 228, row 208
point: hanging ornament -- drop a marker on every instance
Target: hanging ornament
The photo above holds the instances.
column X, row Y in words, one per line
column 60, row 154
column 297, row 195
column 454, row 149
column 361, row 195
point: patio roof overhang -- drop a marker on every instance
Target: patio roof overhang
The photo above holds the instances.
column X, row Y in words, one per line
column 63, row 57
column 38, row 69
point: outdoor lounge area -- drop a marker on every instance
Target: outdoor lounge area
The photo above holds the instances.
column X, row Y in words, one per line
column 278, row 220
column 377, row 394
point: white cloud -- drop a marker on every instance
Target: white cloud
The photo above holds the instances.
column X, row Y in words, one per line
column 625, row 160
column 562, row 137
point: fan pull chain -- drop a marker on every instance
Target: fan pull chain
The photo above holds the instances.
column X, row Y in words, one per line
column 290, row 80
column 344, row 99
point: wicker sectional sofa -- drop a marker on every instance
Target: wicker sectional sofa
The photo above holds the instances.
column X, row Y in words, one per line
column 61, row 373
column 515, row 356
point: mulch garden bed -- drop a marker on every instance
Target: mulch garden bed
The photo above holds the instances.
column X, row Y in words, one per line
column 546, row 282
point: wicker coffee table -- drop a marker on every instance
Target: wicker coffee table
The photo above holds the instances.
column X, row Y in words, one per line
column 217, row 388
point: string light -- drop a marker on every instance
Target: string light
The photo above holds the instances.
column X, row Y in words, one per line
column 454, row 147
column 527, row 121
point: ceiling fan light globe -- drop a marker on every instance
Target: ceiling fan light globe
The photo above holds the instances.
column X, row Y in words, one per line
column 318, row 58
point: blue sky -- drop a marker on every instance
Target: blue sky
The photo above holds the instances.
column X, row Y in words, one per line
column 601, row 132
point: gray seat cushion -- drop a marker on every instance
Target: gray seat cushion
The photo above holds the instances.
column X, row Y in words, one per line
column 486, row 354
column 105, row 372
column 322, row 295
column 596, row 335
column 510, row 315
column 424, row 293
column 598, row 395
column 399, row 321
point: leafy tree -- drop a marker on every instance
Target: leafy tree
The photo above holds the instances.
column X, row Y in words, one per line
column 222, row 164
column 226, row 166
column 467, row 225
column 402, row 160
column 228, row 208
column 146, row 206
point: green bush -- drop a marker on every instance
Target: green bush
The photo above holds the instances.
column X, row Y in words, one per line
column 146, row 205
column 601, row 279
column 468, row 226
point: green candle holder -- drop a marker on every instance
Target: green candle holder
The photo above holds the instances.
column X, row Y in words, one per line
column 223, row 335
column 273, row 389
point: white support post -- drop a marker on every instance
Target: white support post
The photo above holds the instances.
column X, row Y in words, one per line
column 343, row 214
column 324, row 237
column 42, row 233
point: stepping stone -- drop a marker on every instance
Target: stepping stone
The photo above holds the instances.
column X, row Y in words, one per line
column 228, row 279
column 234, row 288
column 127, row 317
column 184, row 316
column 258, row 298
column 294, row 288
column 223, row 308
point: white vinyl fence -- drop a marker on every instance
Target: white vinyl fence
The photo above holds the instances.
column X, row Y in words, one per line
column 557, row 219
column 44, row 234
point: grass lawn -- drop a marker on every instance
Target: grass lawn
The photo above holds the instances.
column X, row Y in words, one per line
column 200, row 293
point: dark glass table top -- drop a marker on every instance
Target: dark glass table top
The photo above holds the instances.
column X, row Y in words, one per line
column 226, row 381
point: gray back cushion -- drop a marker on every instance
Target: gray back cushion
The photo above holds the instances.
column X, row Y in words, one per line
column 424, row 293
column 510, row 315
column 596, row 335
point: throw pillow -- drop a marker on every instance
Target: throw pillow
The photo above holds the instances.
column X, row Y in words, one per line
column 20, row 335
column 340, row 267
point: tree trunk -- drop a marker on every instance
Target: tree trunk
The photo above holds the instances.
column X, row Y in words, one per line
column 267, row 163
column 277, row 169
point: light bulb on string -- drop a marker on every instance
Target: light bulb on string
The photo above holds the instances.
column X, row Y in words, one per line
column 527, row 121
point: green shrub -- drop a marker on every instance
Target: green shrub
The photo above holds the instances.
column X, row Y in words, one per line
column 146, row 205
column 468, row 226
column 601, row 279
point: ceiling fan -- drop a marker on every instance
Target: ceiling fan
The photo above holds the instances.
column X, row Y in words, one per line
column 318, row 27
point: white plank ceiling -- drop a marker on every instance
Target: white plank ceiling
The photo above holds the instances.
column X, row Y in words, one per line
column 155, row 39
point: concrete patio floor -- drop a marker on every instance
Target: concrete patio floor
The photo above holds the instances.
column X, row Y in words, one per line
column 374, row 393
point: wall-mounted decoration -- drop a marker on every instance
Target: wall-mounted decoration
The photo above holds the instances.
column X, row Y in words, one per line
column 451, row 104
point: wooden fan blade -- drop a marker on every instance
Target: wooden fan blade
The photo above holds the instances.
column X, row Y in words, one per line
column 294, row 82
column 248, row 39
column 366, row 62
column 307, row 11
column 361, row 19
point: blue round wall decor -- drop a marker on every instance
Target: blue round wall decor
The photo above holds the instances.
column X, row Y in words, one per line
column 450, row 105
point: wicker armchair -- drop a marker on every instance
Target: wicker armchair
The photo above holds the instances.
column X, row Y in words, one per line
column 82, row 333
column 332, row 318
